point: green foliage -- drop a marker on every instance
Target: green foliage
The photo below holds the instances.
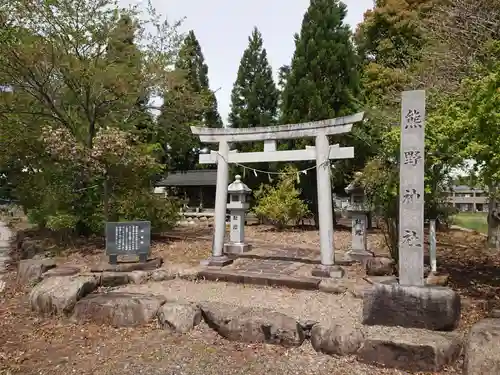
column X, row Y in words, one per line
column 477, row 124
column 163, row 213
column 482, row 121
column 76, row 134
column 392, row 34
column 254, row 98
column 380, row 179
column 62, row 222
column 281, row 204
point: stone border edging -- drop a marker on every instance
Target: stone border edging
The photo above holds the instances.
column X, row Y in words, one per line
column 266, row 279
column 75, row 297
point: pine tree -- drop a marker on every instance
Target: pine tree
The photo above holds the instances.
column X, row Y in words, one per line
column 254, row 98
column 192, row 62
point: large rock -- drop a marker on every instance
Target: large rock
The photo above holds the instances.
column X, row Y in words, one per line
column 482, row 348
column 118, row 309
column 30, row 271
column 433, row 308
column 307, row 326
column 339, row 340
column 379, row 266
column 171, row 271
column 333, row 286
column 65, row 270
column 437, row 279
column 179, row 317
column 415, row 350
column 253, row 325
column 28, row 248
column 138, row 277
column 56, row 295
column 111, row 279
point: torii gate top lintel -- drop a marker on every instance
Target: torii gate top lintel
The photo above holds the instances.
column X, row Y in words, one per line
column 337, row 125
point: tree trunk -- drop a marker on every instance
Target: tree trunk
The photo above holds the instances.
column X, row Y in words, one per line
column 106, row 197
column 493, row 219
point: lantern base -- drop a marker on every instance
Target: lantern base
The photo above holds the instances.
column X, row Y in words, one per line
column 360, row 256
column 236, row 248
column 333, row 271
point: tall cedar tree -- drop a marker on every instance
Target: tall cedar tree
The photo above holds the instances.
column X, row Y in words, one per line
column 192, row 62
column 254, row 98
column 323, row 80
column 181, row 146
column 122, row 53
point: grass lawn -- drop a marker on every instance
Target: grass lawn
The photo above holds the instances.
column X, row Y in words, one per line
column 472, row 220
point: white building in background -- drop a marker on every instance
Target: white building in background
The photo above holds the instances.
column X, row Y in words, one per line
column 469, row 199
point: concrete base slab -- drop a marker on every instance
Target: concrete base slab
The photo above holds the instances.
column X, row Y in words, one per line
column 333, row 271
column 236, row 248
column 128, row 266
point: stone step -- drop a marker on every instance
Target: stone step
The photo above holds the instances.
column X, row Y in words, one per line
column 305, row 256
column 410, row 349
column 266, row 279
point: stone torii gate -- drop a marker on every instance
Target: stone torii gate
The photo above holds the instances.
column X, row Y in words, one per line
column 322, row 153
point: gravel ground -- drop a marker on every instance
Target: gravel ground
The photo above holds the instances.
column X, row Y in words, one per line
column 299, row 304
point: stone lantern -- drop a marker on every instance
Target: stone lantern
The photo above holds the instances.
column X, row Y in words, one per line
column 358, row 209
column 238, row 204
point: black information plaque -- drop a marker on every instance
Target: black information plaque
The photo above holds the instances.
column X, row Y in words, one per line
column 129, row 238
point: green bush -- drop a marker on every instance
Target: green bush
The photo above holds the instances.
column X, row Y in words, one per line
column 162, row 212
column 281, row 204
column 63, row 225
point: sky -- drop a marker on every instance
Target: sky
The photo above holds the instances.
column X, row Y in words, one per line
column 223, row 27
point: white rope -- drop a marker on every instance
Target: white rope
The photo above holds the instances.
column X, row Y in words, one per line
column 269, row 173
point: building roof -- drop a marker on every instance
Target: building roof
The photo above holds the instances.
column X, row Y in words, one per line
column 466, row 188
column 202, row 177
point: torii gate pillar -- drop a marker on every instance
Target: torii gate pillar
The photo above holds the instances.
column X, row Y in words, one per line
column 325, row 210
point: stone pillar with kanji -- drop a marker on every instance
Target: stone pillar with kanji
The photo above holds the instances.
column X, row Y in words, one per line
column 358, row 210
column 239, row 195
